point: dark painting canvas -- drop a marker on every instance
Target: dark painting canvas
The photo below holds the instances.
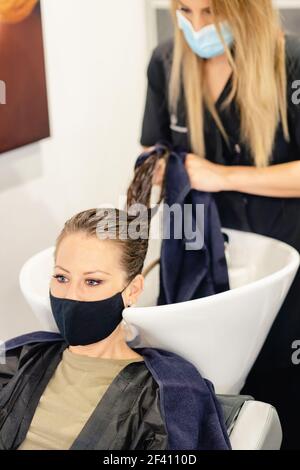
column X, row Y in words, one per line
column 23, row 95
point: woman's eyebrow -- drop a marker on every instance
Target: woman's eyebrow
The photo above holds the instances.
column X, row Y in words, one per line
column 98, row 271
column 208, row 8
column 88, row 272
column 182, row 4
column 60, row 267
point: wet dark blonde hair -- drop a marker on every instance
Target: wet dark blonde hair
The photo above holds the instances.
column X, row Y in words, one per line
column 139, row 190
column 113, row 224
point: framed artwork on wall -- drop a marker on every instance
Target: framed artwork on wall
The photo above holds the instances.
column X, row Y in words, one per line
column 23, row 94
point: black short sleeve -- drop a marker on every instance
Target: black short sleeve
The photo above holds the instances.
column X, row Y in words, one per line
column 156, row 120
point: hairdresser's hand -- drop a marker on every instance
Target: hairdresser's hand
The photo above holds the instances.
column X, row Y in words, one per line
column 159, row 170
column 159, row 173
column 205, row 175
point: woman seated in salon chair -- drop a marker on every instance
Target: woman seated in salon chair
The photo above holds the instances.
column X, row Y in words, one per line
column 86, row 388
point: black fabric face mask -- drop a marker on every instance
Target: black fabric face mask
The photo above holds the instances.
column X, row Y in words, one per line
column 81, row 323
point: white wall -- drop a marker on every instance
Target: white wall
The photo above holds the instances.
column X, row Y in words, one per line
column 96, row 58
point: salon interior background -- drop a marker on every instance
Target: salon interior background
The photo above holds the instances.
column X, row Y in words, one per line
column 96, row 90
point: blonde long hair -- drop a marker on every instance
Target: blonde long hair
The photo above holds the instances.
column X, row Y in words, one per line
column 259, row 76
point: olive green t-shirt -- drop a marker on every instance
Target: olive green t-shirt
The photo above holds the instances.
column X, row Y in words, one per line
column 71, row 396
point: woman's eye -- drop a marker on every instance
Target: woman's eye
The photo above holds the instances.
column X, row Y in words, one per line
column 207, row 12
column 60, row 278
column 185, row 10
column 93, row 282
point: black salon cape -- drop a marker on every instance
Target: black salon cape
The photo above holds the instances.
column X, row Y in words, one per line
column 192, row 265
column 273, row 378
column 159, row 403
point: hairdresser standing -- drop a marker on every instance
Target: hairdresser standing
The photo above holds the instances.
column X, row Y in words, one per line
column 222, row 91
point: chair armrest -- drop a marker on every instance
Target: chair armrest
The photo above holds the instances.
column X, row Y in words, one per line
column 257, row 427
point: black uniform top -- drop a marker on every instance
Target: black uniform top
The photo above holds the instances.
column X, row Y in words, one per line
column 275, row 217
column 158, row 124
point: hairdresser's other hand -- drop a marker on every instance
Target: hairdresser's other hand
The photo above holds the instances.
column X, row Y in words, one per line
column 159, row 172
column 205, row 175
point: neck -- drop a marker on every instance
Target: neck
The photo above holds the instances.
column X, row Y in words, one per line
column 218, row 60
column 113, row 347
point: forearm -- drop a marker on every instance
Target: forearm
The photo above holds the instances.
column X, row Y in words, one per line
column 274, row 181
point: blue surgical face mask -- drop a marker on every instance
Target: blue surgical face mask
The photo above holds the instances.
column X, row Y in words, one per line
column 206, row 43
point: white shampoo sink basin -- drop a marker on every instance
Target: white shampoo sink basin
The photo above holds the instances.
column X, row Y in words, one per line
column 222, row 334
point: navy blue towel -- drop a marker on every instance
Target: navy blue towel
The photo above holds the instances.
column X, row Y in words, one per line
column 192, row 414
column 188, row 274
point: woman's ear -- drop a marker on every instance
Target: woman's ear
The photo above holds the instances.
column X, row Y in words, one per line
column 134, row 290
